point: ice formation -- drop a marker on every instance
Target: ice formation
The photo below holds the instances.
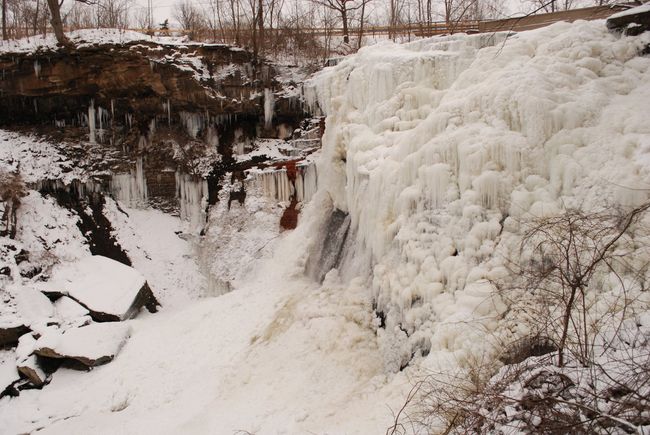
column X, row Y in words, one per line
column 278, row 184
column 269, row 103
column 306, row 182
column 91, row 121
column 275, row 184
column 438, row 148
column 130, row 188
column 192, row 193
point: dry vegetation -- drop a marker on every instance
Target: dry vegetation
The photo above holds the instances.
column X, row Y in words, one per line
column 579, row 281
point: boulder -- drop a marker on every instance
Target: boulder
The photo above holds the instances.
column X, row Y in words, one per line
column 11, row 332
column 33, row 307
column 26, row 361
column 91, row 345
column 632, row 22
column 109, row 290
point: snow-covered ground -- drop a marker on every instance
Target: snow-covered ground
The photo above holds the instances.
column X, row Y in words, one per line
column 438, row 150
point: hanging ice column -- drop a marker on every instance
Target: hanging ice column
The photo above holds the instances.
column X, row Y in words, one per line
column 192, row 193
column 269, row 103
column 91, row 121
column 306, row 182
column 277, row 184
column 131, row 188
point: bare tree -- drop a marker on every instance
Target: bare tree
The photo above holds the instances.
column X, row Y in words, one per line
column 57, row 22
column 113, row 13
column 343, row 8
column 214, row 19
column 188, row 16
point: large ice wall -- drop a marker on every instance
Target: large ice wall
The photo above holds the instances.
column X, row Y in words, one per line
column 439, row 149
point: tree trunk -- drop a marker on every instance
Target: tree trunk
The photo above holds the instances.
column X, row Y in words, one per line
column 57, row 24
column 38, row 3
column 565, row 327
column 260, row 18
column 4, row 20
column 363, row 13
column 344, row 17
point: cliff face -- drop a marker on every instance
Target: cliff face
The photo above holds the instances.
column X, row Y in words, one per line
column 138, row 78
column 146, row 118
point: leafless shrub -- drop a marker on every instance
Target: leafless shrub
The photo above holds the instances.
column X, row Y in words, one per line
column 577, row 281
column 565, row 257
column 12, row 189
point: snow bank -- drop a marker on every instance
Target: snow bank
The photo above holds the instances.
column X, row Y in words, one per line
column 80, row 38
column 438, row 148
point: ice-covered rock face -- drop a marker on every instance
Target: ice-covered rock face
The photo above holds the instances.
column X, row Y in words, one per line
column 439, row 148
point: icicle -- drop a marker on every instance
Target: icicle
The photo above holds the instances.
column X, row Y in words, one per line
column 192, row 193
column 169, row 113
column 275, row 184
column 193, row 122
column 130, row 188
column 37, row 68
column 269, row 102
column 306, row 182
column 91, row 121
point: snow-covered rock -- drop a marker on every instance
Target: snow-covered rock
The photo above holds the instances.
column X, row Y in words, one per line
column 71, row 313
column 26, row 361
column 33, row 306
column 633, row 21
column 111, row 291
column 91, row 345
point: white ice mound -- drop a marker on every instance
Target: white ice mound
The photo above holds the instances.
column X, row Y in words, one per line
column 92, row 345
column 440, row 148
column 108, row 289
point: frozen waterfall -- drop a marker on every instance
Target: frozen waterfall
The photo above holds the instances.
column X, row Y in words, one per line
column 437, row 149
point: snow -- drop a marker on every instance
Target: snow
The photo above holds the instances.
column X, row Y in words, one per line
column 48, row 231
column 80, row 38
column 70, row 312
column 632, row 11
column 36, row 158
column 34, row 307
column 99, row 283
column 263, row 358
column 8, row 372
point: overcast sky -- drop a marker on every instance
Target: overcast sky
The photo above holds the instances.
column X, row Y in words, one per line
column 162, row 9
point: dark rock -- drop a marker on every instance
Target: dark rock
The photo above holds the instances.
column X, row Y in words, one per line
column 9, row 335
column 21, row 256
column 631, row 22
column 33, row 372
